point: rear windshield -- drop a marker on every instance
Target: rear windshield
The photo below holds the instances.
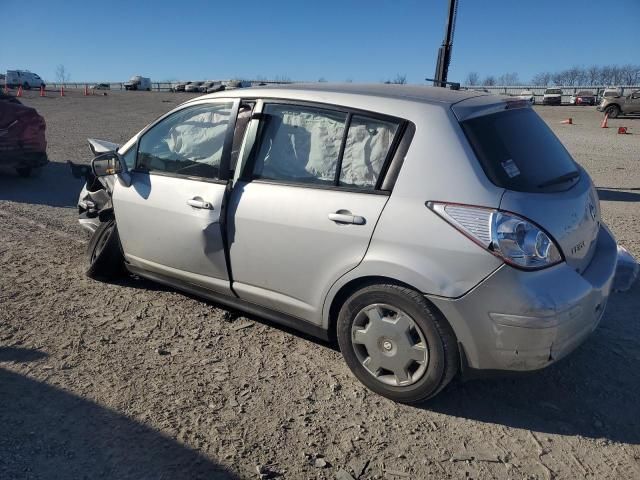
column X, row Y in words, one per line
column 586, row 93
column 518, row 151
column 553, row 91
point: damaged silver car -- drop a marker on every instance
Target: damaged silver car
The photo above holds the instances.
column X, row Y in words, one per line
column 431, row 232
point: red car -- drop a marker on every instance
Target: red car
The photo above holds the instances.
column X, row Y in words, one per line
column 23, row 145
column 583, row 97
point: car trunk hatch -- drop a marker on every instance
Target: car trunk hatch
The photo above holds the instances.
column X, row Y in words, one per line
column 571, row 218
column 542, row 182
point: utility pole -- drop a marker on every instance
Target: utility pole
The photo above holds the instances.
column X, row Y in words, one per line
column 444, row 52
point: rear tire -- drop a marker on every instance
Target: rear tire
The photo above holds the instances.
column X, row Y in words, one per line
column 408, row 326
column 105, row 260
column 613, row 111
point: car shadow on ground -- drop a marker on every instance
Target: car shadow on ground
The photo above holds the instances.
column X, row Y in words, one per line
column 619, row 194
column 46, row 432
column 593, row 392
column 54, row 186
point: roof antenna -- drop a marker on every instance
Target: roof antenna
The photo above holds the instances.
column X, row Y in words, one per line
column 444, row 52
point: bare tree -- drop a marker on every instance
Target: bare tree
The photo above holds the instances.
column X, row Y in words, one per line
column 399, row 80
column 508, row 79
column 593, row 75
column 472, row 79
column 630, row 74
column 489, row 81
column 541, row 79
column 322, row 80
column 62, row 75
column 575, row 76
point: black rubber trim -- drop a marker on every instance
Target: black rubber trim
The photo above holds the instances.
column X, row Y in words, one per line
column 236, row 303
column 399, row 152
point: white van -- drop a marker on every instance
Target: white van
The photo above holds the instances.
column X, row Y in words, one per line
column 138, row 83
column 24, row 78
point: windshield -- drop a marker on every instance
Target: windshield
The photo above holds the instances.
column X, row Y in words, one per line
column 553, row 91
column 518, row 151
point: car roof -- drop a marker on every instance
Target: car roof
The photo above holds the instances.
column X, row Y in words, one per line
column 415, row 93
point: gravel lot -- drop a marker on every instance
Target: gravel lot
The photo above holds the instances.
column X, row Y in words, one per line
column 133, row 380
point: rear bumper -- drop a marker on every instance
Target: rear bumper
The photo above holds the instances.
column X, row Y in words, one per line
column 516, row 320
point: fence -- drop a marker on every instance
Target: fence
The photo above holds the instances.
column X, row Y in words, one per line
column 155, row 86
column 538, row 91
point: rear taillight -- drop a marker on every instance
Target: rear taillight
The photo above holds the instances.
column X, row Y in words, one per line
column 516, row 240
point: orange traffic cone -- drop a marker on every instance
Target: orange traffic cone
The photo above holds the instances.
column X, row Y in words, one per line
column 62, row 90
column 19, row 91
column 42, row 94
column 604, row 122
column 568, row 121
column 622, row 130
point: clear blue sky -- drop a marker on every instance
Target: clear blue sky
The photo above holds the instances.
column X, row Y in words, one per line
column 365, row 41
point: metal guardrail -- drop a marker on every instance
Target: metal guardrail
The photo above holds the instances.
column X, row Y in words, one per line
column 155, row 86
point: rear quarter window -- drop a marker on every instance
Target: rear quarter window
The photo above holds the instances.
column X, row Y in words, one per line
column 517, row 150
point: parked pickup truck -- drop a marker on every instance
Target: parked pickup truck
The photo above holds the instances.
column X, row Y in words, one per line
column 138, row 83
column 616, row 105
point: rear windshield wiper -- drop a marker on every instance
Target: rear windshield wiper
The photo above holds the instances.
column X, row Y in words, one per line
column 561, row 179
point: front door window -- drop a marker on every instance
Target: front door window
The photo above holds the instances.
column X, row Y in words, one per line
column 187, row 143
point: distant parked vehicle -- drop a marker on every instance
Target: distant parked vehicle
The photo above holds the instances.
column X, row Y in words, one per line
column 178, row 87
column 138, row 83
column 611, row 92
column 193, row 87
column 552, row 96
column 231, row 84
column 206, row 85
column 618, row 105
column 24, row 79
column 217, row 87
column 584, row 97
column 528, row 95
column 100, row 86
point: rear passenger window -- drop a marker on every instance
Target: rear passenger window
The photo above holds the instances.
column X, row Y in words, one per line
column 368, row 143
column 300, row 144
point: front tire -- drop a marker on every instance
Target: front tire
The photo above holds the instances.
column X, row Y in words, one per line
column 396, row 343
column 104, row 256
column 613, row 111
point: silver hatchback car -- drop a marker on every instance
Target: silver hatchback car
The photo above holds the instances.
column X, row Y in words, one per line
column 428, row 231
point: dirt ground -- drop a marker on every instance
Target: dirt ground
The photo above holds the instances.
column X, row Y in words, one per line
column 133, row 380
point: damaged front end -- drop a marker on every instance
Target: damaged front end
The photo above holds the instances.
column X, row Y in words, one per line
column 94, row 203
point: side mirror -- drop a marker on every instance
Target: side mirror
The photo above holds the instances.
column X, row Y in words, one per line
column 109, row 163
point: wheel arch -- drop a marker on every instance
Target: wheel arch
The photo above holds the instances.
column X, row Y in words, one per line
column 354, row 284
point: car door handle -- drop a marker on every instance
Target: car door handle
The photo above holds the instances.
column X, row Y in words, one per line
column 199, row 203
column 340, row 217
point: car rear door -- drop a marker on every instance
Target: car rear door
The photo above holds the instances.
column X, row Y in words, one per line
column 170, row 219
column 306, row 202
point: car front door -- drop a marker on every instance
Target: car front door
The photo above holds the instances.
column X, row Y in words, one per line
column 306, row 203
column 632, row 103
column 170, row 217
